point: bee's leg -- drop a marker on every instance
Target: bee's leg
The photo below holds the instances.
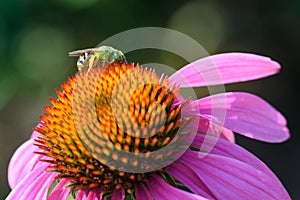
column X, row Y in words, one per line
column 91, row 62
column 124, row 59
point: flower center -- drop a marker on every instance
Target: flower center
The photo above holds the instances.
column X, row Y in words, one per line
column 106, row 124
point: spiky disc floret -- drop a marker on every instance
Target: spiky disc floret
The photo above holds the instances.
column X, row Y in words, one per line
column 98, row 112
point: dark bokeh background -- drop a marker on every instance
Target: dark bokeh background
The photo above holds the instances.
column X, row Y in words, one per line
column 35, row 37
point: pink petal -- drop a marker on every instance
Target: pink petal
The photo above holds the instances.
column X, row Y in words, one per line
column 188, row 177
column 217, row 146
column 230, row 178
column 141, row 192
column 118, row 194
column 23, row 162
column 89, row 194
column 162, row 190
column 60, row 192
column 224, row 68
column 94, row 195
column 251, row 176
column 34, row 135
column 34, row 185
column 246, row 114
column 82, row 194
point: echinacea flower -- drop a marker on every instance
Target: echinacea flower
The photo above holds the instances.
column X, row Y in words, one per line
column 74, row 150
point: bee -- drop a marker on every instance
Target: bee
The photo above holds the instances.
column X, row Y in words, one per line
column 97, row 57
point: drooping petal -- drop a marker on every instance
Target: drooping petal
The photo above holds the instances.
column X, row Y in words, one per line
column 82, row 194
column 94, row 194
column 142, row 192
column 60, row 192
column 34, row 135
column 246, row 114
column 23, row 162
column 89, row 194
column 34, row 185
column 118, row 194
column 231, row 172
column 224, row 68
column 161, row 190
column 188, row 177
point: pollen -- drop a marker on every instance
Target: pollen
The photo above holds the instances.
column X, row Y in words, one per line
column 101, row 111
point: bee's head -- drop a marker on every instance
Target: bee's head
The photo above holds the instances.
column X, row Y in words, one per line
column 81, row 60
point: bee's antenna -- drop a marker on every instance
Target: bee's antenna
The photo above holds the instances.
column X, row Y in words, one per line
column 80, row 52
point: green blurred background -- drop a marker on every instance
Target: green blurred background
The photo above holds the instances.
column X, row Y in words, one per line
column 35, row 37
